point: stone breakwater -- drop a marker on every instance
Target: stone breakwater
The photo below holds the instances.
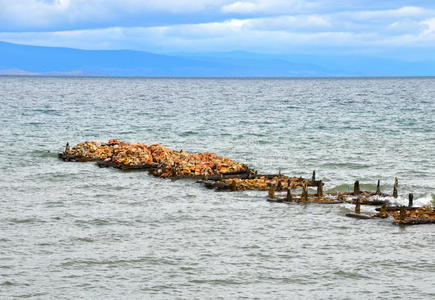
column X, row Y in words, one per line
column 159, row 160
column 221, row 173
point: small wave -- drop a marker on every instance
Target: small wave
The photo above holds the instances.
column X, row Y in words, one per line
column 117, row 188
column 148, row 260
column 371, row 187
column 32, row 295
column 363, row 186
column 84, row 239
column 45, row 244
column 94, row 222
column 341, row 188
column 25, row 220
column 48, row 111
column 105, row 196
column 426, row 199
column 103, row 222
column 34, row 123
column 158, row 288
column 353, row 166
column 189, row 133
column 55, row 204
column 255, row 134
column 419, row 201
column 352, row 275
column 52, row 176
column 217, row 281
column 7, row 283
column 43, row 153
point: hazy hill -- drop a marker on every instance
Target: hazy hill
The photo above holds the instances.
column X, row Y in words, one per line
column 56, row 60
column 35, row 60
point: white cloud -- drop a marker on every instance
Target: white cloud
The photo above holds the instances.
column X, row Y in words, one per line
column 291, row 23
column 280, row 34
column 45, row 15
column 241, row 7
column 269, row 26
column 205, row 30
column 404, row 27
column 430, row 27
column 266, row 6
column 402, row 12
column 39, row 14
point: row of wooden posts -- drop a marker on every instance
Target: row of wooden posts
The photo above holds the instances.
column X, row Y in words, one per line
column 357, row 190
column 304, row 196
column 319, row 184
column 383, row 210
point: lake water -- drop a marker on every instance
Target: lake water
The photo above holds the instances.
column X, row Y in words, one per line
column 73, row 230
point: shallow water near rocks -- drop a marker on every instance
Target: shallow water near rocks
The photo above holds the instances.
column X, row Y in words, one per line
column 73, row 230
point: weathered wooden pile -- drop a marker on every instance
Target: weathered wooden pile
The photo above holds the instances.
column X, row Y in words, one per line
column 257, row 182
column 220, row 173
column 364, row 197
column 402, row 215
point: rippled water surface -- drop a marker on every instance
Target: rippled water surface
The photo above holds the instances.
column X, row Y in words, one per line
column 73, row 230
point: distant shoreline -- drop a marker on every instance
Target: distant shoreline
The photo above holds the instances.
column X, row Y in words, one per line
column 216, row 77
column 22, row 60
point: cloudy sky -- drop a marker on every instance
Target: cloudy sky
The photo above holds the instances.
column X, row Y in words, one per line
column 374, row 27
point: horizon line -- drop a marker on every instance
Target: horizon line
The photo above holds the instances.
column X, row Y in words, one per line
column 222, row 77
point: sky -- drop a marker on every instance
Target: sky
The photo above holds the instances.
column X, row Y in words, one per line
column 386, row 28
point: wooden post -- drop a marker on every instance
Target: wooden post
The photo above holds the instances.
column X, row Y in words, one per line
column 314, row 176
column 402, row 214
column 320, row 189
column 356, row 190
column 357, row 206
column 272, row 192
column 383, row 211
column 233, row 185
column 289, row 195
column 174, row 170
column 279, row 184
column 396, row 185
column 378, row 188
column 304, row 195
column 410, row 200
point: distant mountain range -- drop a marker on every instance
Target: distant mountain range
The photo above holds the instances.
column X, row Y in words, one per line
column 55, row 61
